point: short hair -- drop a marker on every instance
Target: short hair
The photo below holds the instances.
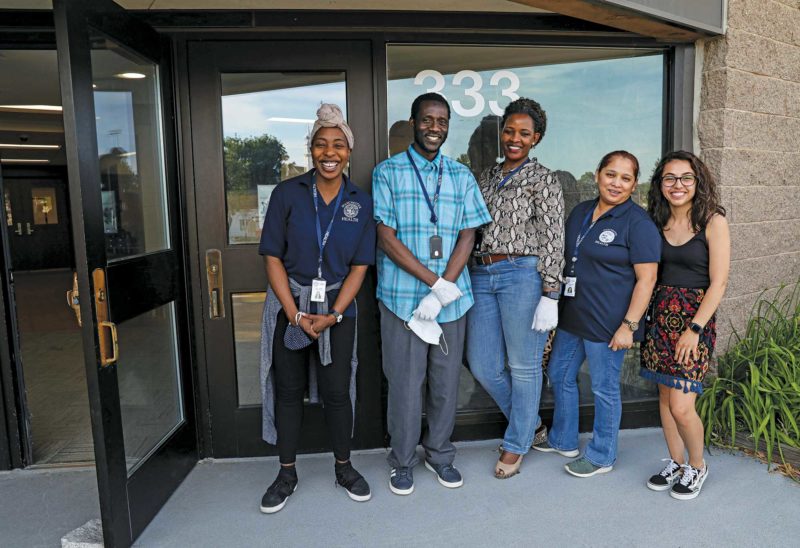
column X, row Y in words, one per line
column 523, row 105
column 620, row 154
column 434, row 97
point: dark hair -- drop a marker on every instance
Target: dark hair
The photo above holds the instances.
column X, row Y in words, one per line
column 523, row 105
column 705, row 203
column 620, row 154
column 435, row 97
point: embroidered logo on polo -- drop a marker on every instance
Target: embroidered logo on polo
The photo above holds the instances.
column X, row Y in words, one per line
column 350, row 210
column 606, row 237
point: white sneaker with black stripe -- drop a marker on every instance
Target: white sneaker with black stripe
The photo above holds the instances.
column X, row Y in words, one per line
column 690, row 483
column 664, row 479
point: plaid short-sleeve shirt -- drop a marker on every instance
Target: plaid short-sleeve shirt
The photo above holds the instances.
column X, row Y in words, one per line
column 401, row 205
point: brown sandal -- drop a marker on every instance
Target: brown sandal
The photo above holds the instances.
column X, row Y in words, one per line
column 503, row 470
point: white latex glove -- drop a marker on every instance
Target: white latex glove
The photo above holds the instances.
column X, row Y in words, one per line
column 445, row 291
column 429, row 307
column 546, row 316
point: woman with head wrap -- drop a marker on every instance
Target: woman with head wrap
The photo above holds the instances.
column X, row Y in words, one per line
column 318, row 239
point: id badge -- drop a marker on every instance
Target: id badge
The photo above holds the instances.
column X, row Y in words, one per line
column 569, row 286
column 436, row 247
column 318, row 290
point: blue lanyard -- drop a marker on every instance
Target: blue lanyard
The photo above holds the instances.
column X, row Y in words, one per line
column 581, row 236
column 322, row 240
column 511, row 173
column 431, row 205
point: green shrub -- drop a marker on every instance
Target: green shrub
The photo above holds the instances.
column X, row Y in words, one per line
column 756, row 394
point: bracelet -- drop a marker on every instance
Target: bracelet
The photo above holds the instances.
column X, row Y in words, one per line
column 298, row 316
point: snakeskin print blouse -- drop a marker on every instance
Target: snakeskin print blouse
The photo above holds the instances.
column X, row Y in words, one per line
column 527, row 217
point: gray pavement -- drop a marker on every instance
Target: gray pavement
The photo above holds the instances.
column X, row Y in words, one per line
column 741, row 505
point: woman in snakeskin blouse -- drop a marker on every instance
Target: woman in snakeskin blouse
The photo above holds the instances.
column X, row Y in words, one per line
column 516, row 280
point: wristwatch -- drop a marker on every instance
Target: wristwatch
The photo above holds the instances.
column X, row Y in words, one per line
column 696, row 328
column 555, row 295
column 633, row 326
column 336, row 315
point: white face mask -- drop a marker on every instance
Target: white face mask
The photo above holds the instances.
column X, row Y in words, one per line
column 427, row 330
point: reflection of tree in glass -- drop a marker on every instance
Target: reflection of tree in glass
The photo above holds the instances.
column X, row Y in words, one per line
column 483, row 149
column 252, row 161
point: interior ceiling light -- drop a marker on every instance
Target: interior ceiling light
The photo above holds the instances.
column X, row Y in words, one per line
column 24, row 161
column 31, row 108
column 130, row 75
column 29, row 147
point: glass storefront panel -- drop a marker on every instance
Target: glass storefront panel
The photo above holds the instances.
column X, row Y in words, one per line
column 596, row 100
column 247, row 312
column 149, row 382
column 130, row 145
column 266, row 120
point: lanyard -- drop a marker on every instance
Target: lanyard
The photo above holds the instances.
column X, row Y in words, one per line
column 322, row 240
column 512, row 173
column 431, row 205
column 582, row 236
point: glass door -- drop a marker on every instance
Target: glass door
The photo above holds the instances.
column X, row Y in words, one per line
column 252, row 107
column 118, row 115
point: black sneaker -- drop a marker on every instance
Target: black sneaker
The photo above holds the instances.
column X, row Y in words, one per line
column 691, row 482
column 283, row 486
column 354, row 483
column 664, row 479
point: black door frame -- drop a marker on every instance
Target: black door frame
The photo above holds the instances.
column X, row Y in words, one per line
column 232, row 430
column 143, row 282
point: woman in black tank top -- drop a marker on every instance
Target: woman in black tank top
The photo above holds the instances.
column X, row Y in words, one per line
column 681, row 328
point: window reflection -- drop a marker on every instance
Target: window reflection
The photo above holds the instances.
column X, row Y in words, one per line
column 596, row 99
column 266, row 119
column 130, row 147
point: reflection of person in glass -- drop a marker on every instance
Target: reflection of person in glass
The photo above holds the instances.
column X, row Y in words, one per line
column 318, row 232
column 612, row 253
column 427, row 207
column 516, row 280
column 681, row 329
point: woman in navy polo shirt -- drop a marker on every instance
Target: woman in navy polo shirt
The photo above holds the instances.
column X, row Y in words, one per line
column 681, row 330
column 612, row 249
column 318, row 239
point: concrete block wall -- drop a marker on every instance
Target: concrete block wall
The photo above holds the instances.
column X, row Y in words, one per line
column 749, row 135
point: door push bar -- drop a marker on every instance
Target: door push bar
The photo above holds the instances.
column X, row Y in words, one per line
column 106, row 330
column 216, row 305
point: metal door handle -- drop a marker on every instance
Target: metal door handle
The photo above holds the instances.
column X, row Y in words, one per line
column 103, row 323
column 216, row 305
column 73, row 298
column 19, row 229
column 29, row 229
column 106, row 360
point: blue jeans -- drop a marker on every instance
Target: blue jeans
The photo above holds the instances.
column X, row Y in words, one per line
column 499, row 330
column 605, row 365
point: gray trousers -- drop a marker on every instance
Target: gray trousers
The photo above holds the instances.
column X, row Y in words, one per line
column 407, row 361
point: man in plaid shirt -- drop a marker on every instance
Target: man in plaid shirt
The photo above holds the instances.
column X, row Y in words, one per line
column 427, row 208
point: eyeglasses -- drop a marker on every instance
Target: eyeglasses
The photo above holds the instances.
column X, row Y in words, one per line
column 686, row 180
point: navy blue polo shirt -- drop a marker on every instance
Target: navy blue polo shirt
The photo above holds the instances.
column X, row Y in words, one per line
column 290, row 232
column 622, row 237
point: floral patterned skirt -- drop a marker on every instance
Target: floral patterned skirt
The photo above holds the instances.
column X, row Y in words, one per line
column 671, row 311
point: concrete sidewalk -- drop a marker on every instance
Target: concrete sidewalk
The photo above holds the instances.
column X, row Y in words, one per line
column 741, row 505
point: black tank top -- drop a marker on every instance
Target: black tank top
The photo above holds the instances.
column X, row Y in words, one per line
column 685, row 265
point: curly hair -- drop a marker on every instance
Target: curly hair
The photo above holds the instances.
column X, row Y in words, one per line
column 620, row 154
column 523, row 105
column 706, row 201
column 433, row 97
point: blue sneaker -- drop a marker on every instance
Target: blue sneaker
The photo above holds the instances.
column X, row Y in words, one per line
column 401, row 480
column 447, row 474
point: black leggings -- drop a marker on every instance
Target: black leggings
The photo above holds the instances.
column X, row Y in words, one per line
column 291, row 381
